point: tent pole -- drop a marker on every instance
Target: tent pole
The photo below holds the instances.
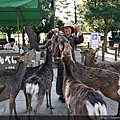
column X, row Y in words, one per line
column 22, row 30
column 22, row 18
column 18, row 31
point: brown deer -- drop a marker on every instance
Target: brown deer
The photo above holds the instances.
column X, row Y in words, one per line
column 112, row 66
column 106, row 81
column 12, row 83
column 28, row 73
column 41, row 81
column 81, row 100
column 90, row 61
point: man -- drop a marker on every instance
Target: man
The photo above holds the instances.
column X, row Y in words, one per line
column 11, row 45
column 67, row 29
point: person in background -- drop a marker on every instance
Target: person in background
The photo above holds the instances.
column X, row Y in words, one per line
column 11, row 45
column 68, row 30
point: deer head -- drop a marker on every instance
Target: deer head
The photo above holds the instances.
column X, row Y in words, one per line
column 49, row 43
column 90, row 53
column 27, row 56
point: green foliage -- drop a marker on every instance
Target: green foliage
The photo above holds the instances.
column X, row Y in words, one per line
column 59, row 23
column 99, row 10
column 45, row 6
column 45, row 12
column 8, row 29
column 45, row 27
column 65, row 7
column 45, row 20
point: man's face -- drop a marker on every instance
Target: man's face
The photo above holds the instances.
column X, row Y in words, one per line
column 67, row 30
column 12, row 44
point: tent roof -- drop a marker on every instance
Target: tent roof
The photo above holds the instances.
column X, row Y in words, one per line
column 19, row 12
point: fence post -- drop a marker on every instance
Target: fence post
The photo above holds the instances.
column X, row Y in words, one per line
column 88, row 44
column 103, row 52
column 115, row 54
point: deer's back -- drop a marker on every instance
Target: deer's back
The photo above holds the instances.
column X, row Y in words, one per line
column 113, row 66
column 100, row 79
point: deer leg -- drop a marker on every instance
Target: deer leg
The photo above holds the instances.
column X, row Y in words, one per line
column 29, row 98
column 11, row 106
column 14, row 106
column 39, row 102
column 47, row 99
column 75, row 117
column 26, row 98
column 50, row 99
column 68, row 113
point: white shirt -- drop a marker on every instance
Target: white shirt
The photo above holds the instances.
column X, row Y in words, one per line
column 15, row 47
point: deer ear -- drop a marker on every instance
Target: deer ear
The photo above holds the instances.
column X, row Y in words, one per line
column 97, row 49
column 90, row 48
column 22, row 60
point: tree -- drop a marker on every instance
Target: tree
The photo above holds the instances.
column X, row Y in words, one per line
column 47, row 22
column 52, row 18
column 104, row 15
column 44, row 28
column 8, row 30
column 32, row 38
column 65, row 8
column 59, row 22
column 72, row 11
column 33, row 32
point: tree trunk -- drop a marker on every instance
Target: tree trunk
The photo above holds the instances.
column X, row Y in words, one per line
column 52, row 19
column 106, row 29
column 38, row 38
column 105, row 38
column 9, row 35
column 32, row 38
column 23, row 36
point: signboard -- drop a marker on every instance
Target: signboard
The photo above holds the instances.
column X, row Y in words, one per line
column 94, row 40
column 87, row 37
column 7, row 61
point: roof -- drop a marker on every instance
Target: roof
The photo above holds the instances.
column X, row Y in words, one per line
column 19, row 12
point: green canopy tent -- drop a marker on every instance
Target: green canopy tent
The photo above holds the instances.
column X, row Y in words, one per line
column 19, row 13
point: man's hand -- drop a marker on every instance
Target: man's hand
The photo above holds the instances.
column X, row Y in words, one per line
column 55, row 30
column 78, row 28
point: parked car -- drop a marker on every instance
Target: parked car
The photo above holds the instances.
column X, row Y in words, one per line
column 115, row 38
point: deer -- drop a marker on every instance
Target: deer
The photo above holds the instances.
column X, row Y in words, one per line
column 90, row 57
column 81, row 100
column 28, row 73
column 112, row 66
column 11, row 85
column 41, row 81
column 106, row 81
